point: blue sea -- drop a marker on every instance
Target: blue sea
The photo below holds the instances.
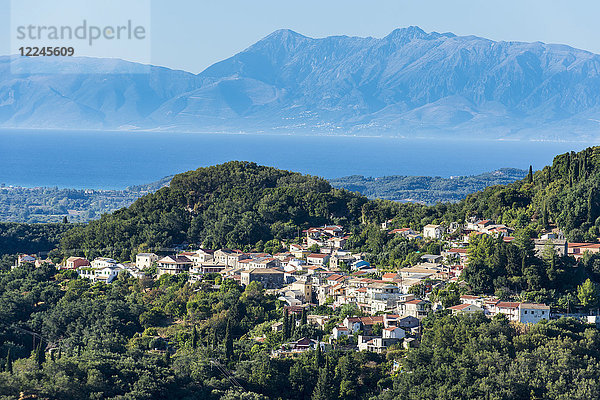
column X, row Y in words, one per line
column 115, row 160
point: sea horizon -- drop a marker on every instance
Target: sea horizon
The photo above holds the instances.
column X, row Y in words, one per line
column 114, row 160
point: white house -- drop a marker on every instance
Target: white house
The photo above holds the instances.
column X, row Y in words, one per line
column 510, row 309
column 375, row 344
column 465, row 308
column 201, row 256
column 474, row 300
column 393, row 332
column 433, row 231
column 174, row 265
column 145, row 260
column 103, row 262
column 102, row 274
column 533, row 313
column 416, row 308
column 317, row 259
column 25, row 259
column 339, row 331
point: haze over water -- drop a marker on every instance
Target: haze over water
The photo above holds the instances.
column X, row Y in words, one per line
column 115, row 160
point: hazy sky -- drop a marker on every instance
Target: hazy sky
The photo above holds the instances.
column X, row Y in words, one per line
column 192, row 34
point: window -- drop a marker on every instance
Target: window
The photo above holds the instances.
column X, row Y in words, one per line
column 525, row 312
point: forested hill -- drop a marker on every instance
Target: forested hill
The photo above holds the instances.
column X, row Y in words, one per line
column 237, row 204
column 240, row 204
column 426, row 189
column 565, row 194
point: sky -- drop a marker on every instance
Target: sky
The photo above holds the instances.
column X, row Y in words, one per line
column 193, row 34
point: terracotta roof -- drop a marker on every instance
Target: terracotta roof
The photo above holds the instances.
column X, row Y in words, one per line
column 415, row 301
column 462, row 251
column 459, row 307
column 367, row 320
column 316, row 255
column 508, row 304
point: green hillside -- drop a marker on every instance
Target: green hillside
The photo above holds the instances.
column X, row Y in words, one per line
column 565, row 194
column 237, row 204
column 240, row 204
column 172, row 339
column 426, row 189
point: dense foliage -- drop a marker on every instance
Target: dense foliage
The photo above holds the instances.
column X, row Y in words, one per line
column 236, row 204
column 30, row 238
column 426, row 189
column 565, row 194
column 473, row 357
column 52, row 205
column 64, row 338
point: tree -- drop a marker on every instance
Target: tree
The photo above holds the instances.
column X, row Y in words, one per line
column 286, row 325
column 377, row 329
column 39, row 355
column 324, row 389
column 587, row 293
column 346, row 373
column 545, row 218
column 9, row 365
column 303, row 318
column 449, row 296
column 194, row 338
column 530, row 175
column 318, row 357
column 228, row 341
column 292, row 324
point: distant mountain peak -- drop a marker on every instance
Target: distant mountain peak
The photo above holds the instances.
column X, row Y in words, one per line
column 409, row 83
column 285, row 34
column 408, row 33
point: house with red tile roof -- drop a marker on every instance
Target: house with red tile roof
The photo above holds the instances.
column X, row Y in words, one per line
column 317, row 259
column 465, row 308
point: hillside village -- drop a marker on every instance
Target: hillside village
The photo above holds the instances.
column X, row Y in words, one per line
column 320, row 271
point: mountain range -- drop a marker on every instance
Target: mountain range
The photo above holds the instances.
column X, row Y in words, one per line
column 408, row 83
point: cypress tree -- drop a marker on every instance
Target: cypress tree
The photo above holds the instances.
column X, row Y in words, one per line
column 304, row 319
column 318, row 357
column 167, row 358
column 286, row 325
column 228, row 341
column 545, row 216
column 194, row 338
column 292, row 324
column 324, row 389
column 214, row 339
column 530, row 175
column 9, row 365
column 39, row 355
column 592, row 206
